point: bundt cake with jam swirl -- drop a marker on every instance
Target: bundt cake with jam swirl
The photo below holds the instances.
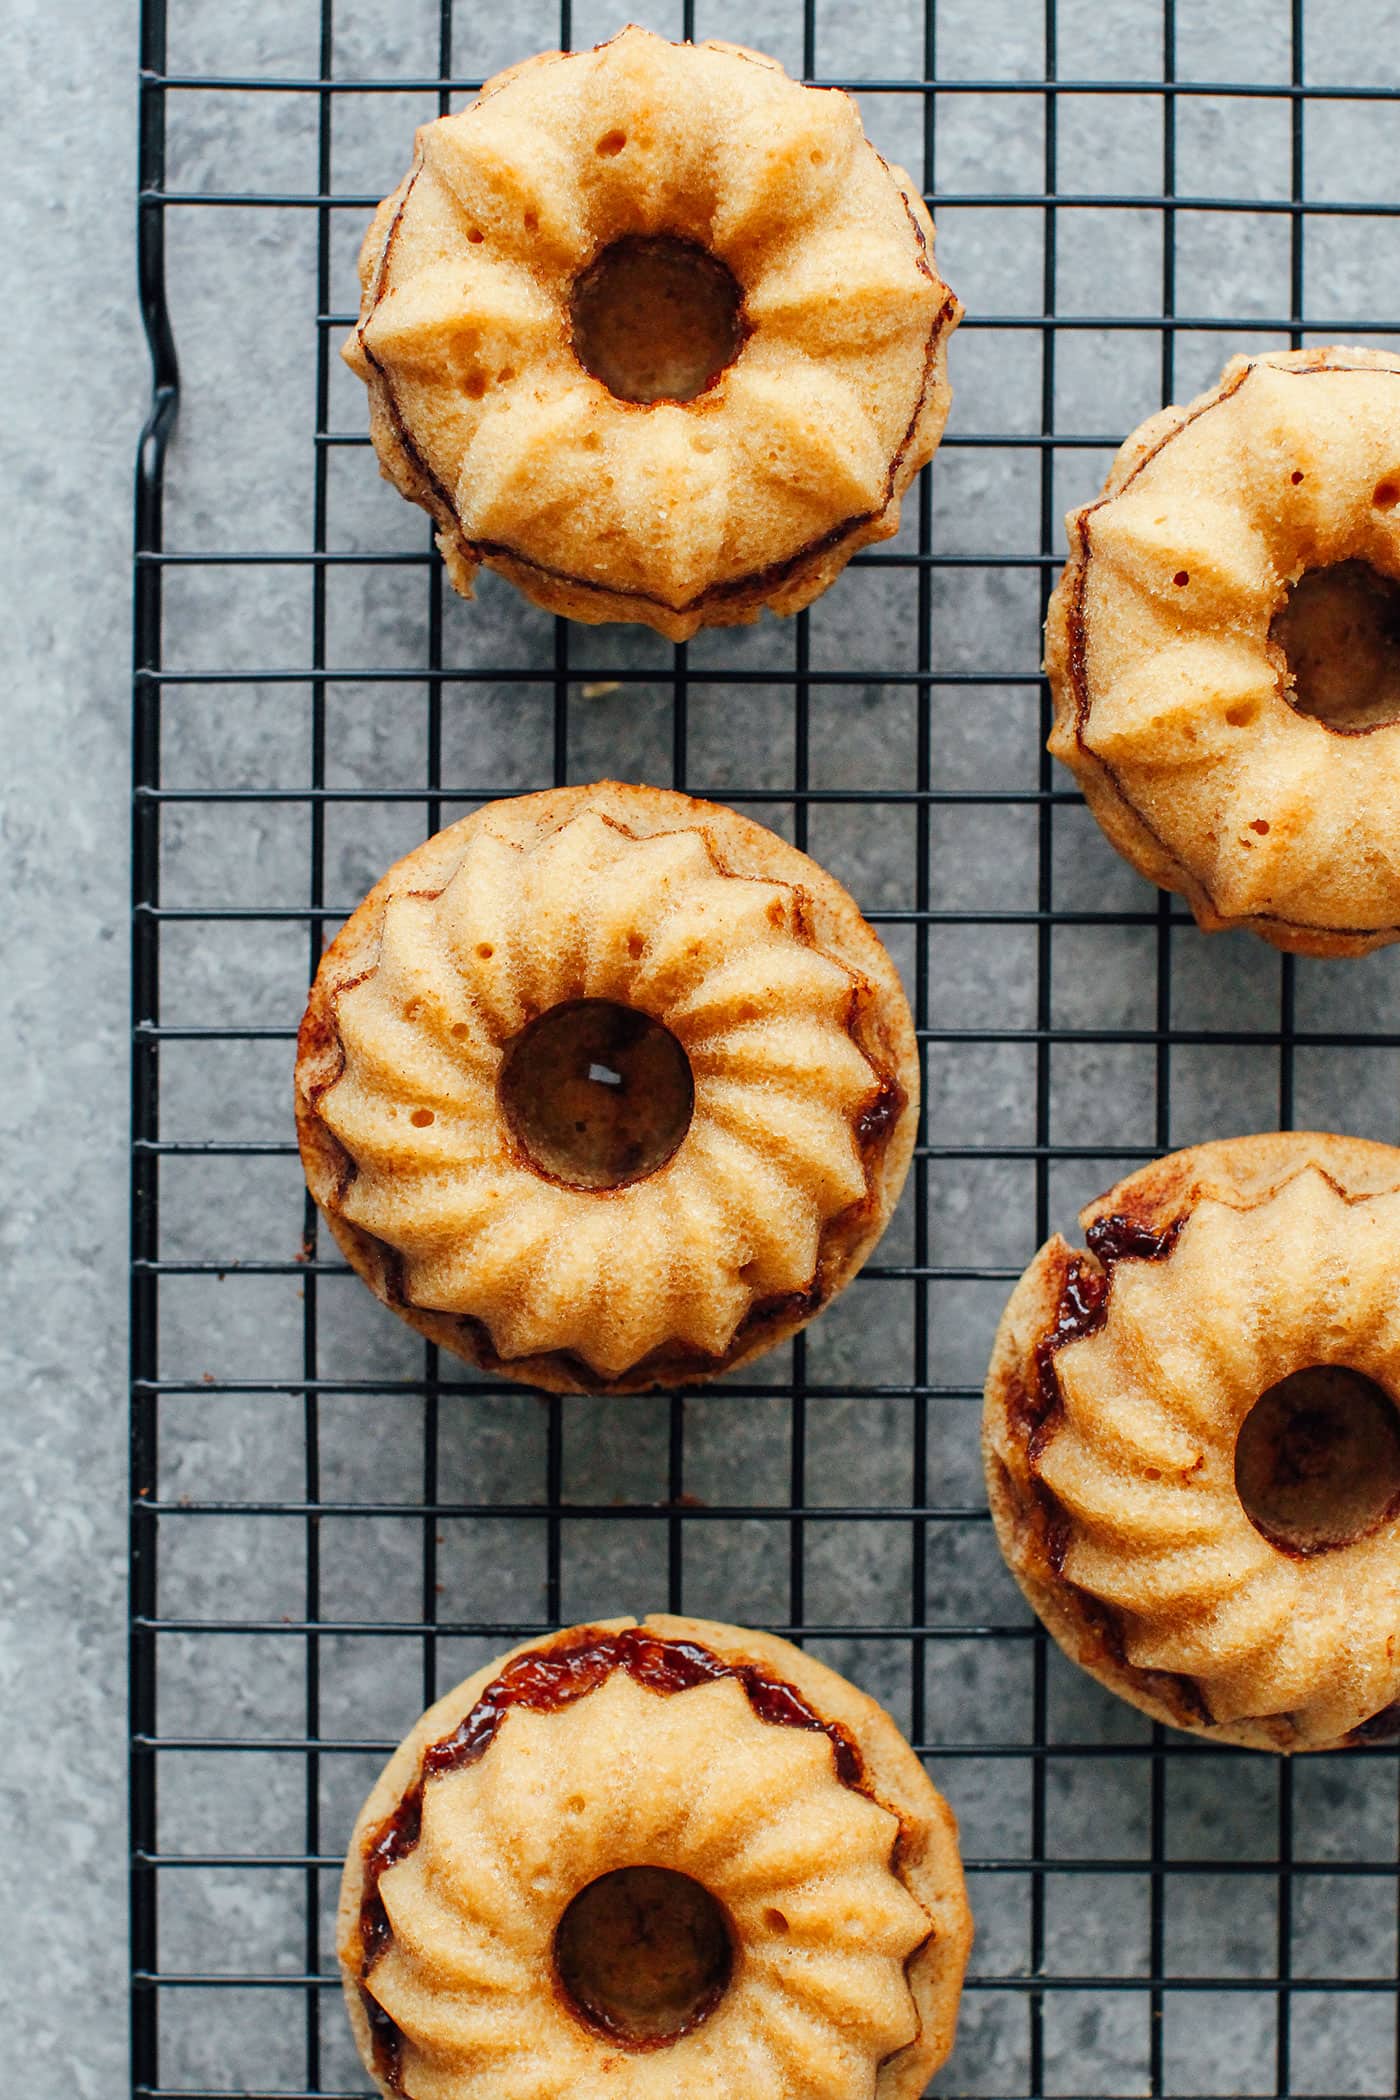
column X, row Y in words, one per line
column 632, row 1862
column 1224, row 650
column 653, row 330
column 606, row 1088
column 1192, row 1438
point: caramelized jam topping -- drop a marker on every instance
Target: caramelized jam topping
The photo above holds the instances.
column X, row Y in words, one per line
column 643, row 1955
column 878, row 1118
column 1383, row 1727
column 1083, row 1305
column 1317, row 1461
column 597, row 1095
column 656, row 319
column 543, row 1681
column 1081, row 1311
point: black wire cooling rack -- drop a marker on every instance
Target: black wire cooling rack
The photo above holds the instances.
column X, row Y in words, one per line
column 1155, row 1916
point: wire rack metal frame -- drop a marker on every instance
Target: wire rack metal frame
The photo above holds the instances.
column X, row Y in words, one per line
column 151, row 912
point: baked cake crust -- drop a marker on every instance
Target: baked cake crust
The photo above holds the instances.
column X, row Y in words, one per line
column 1119, row 1382
column 1171, row 704
column 790, row 1013
column 870, row 1863
column 680, row 514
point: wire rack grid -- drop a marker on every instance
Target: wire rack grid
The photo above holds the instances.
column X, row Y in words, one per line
column 328, row 1525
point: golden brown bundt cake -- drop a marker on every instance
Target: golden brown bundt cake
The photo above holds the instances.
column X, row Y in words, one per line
column 1224, row 650
column 648, row 1861
column 1192, row 1440
column 607, row 1088
column 654, row 330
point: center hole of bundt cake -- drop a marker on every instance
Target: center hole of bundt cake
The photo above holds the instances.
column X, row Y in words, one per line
column 656, row 319
column 597, row 1095
column 644, row 1955
column 1339, row 630
column 1317, row 1462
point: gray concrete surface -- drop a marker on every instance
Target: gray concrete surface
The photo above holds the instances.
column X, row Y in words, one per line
column 243, row 296
column 73, row 387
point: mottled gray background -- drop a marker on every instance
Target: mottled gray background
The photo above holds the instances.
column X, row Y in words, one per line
column 74, row 381
column 243, row 296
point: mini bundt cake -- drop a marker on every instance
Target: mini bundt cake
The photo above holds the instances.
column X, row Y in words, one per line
column 1224, row 650
column 1192, row 1440
column 607, row 1088
column 651, row 1861
column 653, row 330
